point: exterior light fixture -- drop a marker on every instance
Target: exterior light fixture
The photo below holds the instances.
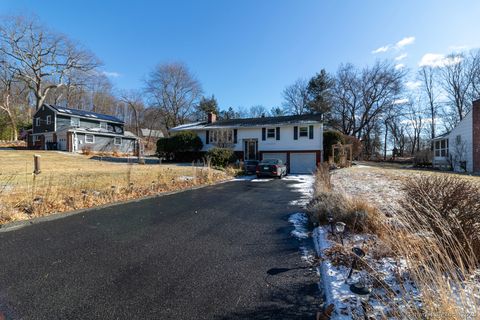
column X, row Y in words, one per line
column 330, row 221
column 358, row 253
column 340, row 229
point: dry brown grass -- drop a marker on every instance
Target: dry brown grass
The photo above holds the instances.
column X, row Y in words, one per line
column 440, row 280
column 359, row 215
column 69, row 182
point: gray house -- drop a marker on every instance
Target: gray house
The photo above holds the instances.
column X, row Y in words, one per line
column 73, row 130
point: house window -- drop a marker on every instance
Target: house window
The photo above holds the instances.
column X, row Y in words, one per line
column 271, row 133
column 49, row 119
column 89, row 138
column 75, row 122
column 458, row 139
column 37, row 122
column 303, row 131
column 103, row 125
column 117, row 141
column 441, row 148
column 220, row 136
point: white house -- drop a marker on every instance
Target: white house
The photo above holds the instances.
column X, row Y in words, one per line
column 460, row 148
column 297, row 140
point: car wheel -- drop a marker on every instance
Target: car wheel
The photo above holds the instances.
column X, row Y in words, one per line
column 258, row 176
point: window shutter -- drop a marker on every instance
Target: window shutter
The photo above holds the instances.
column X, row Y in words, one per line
column 207, row 137
column 235, row 134
column 264, row 133
column 310, row 132
column 295, row 133
column 278, row 133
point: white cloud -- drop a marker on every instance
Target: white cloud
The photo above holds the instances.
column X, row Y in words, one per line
column 381, row 49
column 401, row 57
column 399, row 66
column 399, row 45
column 401, row 101
column 412, row 85
column 404, row 42
column 111, row 74
column 438, row 60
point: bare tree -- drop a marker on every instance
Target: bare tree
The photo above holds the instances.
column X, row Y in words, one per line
column 361, row 98
column 10, row 92
column 426, row 74
column 174, row 91
column 296, row 97
column 457, row 75
column 415, row 122
column 41, row 58
column 257, row 111
column 347, row 99
column 133, row 100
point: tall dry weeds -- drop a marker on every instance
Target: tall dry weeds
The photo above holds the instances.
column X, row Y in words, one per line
column 433, row 238
column 47, row 194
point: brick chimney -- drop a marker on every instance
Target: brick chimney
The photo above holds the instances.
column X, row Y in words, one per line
column 476, row 135
column 212, row 117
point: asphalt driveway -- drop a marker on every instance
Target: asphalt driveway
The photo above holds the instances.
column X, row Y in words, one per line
column 199, row 254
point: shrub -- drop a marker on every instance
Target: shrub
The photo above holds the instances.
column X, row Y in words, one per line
column 357, row 214
column 86, row 150
column 220, row 157
column 182, row 142
column 330, row 138
column 445, row 204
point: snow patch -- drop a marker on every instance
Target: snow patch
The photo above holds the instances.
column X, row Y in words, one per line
column 300, row 224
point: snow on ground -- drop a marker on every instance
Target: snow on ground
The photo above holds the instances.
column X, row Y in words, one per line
column 380, row 186
column 304, row 186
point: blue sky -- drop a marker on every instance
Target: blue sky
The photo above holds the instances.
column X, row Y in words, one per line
column 246, row 52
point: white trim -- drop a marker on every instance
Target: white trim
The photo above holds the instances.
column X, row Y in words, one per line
column 93, row 138
column 37, row 121
column 105, row 125
column 48, row 120
column 274, row 133
column 114, row 141
column 299, row 132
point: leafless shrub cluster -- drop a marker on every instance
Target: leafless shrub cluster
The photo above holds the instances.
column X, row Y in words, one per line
column 450, row 207
column 433, row 240
column 358, row 215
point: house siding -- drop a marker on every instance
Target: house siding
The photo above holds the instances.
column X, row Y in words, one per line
column 42, row 113
column 476, row 136
column 286, row 142
column 105, row 144
column 462, row 151
column 458, row 152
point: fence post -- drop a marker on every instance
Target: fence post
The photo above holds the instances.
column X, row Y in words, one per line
column 36, row 164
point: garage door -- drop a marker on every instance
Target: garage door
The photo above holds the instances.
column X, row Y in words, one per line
column 281, row 155
column 303, row 162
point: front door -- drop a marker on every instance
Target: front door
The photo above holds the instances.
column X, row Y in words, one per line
column 251, row 149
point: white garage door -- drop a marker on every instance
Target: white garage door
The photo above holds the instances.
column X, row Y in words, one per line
column 303, row 162
column 281, row 156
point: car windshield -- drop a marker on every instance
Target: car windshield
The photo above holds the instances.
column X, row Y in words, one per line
column 269, row 161
column 251, row 162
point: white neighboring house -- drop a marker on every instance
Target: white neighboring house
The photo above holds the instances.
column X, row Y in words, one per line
column 459, row 149
column 296, row 140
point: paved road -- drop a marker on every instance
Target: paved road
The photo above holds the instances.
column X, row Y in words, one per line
column 200, row 254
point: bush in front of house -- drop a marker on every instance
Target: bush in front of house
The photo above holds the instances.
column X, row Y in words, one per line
column 178, row 145
column 220, row 157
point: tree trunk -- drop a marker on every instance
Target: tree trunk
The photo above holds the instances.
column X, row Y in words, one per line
column 385, row 142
